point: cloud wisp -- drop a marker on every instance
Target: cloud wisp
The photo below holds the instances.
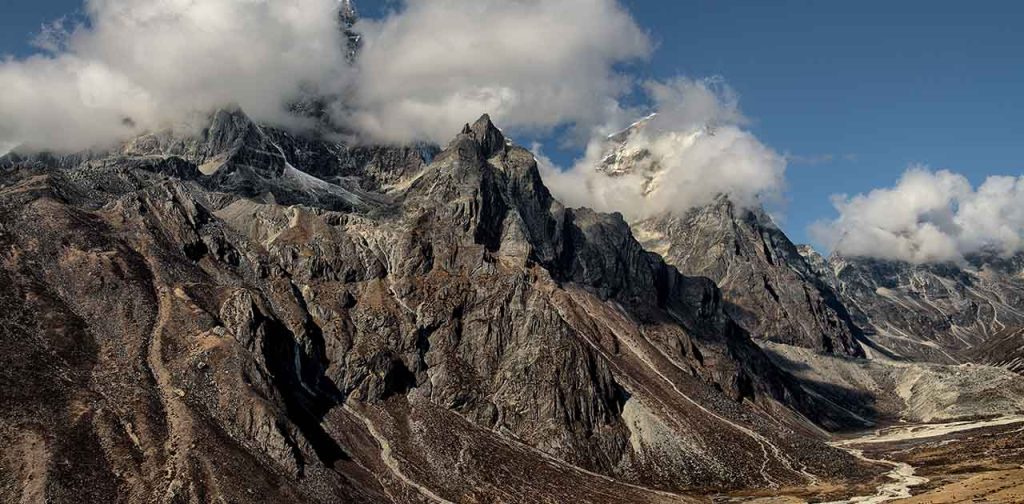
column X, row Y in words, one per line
column 929, row 217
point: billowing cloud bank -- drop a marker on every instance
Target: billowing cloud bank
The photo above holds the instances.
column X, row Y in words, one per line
column 428, row 68
column 693, row 150
column 423, row 71
column 140, row 64
column 929, row 217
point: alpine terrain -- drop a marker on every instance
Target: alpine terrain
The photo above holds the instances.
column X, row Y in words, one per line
column 243, row 312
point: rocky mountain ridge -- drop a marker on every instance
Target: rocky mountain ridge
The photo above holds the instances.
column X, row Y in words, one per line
column 770, row 289
column 311, row 350
column 243, row 313
column 943, row 313
column 783, row 293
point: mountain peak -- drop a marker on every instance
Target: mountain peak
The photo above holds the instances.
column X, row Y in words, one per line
column 487, row 135
column 770, row 289
column 484, row 119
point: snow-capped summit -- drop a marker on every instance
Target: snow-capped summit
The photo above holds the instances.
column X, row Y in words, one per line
column 628, row 152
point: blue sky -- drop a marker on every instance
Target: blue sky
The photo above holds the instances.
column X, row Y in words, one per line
column 854, row 91
column 888, row 83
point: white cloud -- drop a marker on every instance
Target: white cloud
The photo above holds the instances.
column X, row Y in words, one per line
column 693, row 150
column 424, row 70
column 929, row 217
column 431, row 66
column 140, row 64
column 52, row 36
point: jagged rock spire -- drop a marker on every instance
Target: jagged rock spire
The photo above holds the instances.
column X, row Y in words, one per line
column 486, row 134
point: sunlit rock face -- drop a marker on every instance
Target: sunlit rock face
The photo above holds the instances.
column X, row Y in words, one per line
column 947, row 313
column 242, row 311
column 768, row 287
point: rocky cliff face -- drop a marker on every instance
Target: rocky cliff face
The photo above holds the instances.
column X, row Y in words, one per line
column 769, row 288
column 944, row 313
column 241, row 313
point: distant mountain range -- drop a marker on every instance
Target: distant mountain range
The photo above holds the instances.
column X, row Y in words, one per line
column 942, row 313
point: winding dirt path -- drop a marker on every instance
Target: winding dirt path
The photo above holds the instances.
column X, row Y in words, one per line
column 389, row 460
column 179, row 420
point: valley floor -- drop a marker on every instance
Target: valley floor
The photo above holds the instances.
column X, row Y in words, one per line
column 966, row 461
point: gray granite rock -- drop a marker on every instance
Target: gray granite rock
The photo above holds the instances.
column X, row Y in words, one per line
column 442, row 329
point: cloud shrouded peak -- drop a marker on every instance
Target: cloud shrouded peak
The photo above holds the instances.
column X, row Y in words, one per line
column 139, row 64
column 929, row 217
column 693, row 150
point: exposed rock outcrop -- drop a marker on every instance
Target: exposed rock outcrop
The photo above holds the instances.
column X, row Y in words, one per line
column 945, row 313
column 769, row 288
column 448, row 332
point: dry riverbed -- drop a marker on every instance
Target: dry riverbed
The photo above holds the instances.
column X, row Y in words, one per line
column 955, row 462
